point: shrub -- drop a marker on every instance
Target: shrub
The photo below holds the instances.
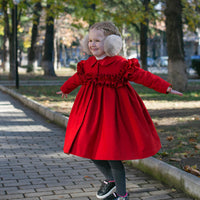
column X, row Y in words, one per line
column 73, row 66
column 29, row 68
column 196, row 65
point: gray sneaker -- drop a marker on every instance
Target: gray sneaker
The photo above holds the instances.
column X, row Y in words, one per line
column 114, row 196
column 106, row 189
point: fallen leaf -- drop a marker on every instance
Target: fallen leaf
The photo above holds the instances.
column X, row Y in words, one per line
column 175, row 159
column 197, row 146
column 164, row 154
column 88, row 177
column 182, row 155
column 192, row 140
column 156, row 123
column 197, row 118
column 183, row 143
column 194, row 166
column 170, row 138
column 159, row 130
column 189, row 169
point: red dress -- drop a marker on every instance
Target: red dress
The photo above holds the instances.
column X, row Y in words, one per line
column 108, row 120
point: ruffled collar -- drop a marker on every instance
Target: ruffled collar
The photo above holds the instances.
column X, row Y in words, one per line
column 105, row 61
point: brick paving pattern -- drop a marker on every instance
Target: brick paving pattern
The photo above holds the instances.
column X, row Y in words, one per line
column 34, row 167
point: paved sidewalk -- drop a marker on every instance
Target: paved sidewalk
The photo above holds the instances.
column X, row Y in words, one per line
column 34, row 167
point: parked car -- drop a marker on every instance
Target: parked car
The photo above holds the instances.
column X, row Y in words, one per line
column 161, row 61
column 195, row 57
column 196, row 63
column 150, row 62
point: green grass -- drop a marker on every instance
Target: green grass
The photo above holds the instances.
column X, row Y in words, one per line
column 45, row 93
column 191, row 94
column 49, row 92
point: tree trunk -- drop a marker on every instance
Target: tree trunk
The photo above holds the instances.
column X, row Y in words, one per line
column 177, row 74
column 93, row 19
column 12, row 73
column 5, row 62
column 36, row 14
column 64, row 57
column 124, row 47
column 47, row 61
column 55, row 54
column 143, row 37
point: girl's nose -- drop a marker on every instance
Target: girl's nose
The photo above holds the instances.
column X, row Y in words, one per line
column 93, row 43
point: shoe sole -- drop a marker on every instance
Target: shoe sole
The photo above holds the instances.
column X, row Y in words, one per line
column 107, row 194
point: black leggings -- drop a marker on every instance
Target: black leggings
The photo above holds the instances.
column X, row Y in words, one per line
column 113, row 170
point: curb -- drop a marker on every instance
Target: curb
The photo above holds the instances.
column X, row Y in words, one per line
column 170, row 175
column 166, row 173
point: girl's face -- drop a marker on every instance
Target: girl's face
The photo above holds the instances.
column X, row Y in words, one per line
column 96, row 42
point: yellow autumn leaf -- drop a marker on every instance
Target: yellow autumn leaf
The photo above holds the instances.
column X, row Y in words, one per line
column 194, row 166
column 159, row 130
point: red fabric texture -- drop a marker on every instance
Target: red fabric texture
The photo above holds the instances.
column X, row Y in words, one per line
column 108, row 120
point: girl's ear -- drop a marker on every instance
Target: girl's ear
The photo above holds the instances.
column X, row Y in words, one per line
column 84, row 45
column 112, row 45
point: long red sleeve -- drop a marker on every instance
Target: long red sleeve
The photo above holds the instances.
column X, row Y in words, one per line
column 140, row 76
column 72, row 83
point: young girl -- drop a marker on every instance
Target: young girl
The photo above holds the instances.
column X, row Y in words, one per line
column 109, row 122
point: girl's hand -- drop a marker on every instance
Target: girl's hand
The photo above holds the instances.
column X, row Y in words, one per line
column 170, row 90
column 176, row 92
column 63, row 94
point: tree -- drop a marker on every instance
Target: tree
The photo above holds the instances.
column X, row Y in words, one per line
column 177, row 75
column 191, row 18
column 144, row 35
column 90, row 11
column 12, row 74
column 47, row 60
column 8, row 16
column 136, row 13
column 6, row 34
column 191, row 14
column 36, row 19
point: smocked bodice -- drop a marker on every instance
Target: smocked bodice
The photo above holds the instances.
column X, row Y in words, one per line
column 110, row 72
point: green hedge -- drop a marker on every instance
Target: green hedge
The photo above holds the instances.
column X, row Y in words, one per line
column 196, row 65
column 73, row 66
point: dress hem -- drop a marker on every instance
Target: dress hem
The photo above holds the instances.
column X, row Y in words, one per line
column 127, row 158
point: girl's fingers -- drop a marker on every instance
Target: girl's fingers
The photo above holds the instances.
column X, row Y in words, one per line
column 60, row 92
column 176, row 92
column 63, row 95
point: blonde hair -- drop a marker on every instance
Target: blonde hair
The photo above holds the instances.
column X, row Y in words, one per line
column 107, row 27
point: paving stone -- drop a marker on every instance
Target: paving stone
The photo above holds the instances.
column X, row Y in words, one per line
column 55, row 197
column 12, row 196
column 32, row 198
column 157, row 197
column 20, row 191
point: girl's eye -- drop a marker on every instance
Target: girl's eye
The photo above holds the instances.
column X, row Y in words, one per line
column 94, row 40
